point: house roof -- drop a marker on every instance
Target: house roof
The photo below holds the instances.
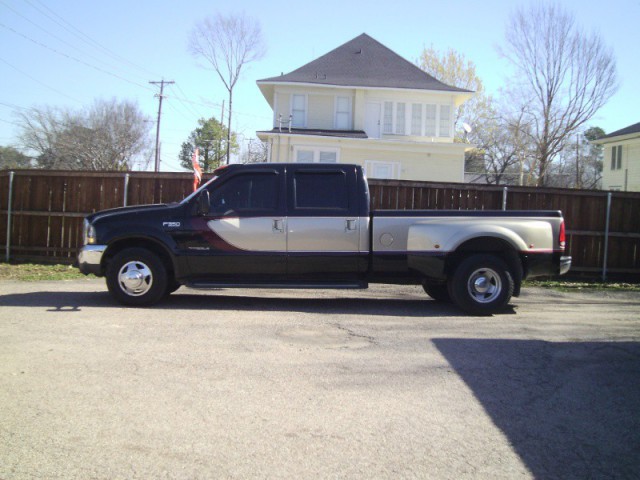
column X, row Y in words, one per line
column 363, row 62
column 318, row 132
column 635, row 128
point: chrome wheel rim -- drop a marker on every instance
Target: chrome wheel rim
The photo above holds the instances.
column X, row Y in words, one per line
column 484, row 285
column 135, row 278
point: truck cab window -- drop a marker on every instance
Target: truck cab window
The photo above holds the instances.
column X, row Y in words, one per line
column 253, row 193
column 321, row 190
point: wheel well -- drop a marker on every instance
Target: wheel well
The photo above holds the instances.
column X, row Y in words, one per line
column 119, row 245
column 493, row 245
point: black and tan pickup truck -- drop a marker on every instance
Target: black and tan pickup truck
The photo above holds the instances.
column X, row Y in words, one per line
column 310, row 226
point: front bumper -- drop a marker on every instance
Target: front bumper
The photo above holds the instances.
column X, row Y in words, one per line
column 565, row 265
column 90, row 258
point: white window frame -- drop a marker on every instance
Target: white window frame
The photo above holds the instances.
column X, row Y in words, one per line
column 304, row 112
column 370, row 165
column 616, row 157
column 388, row 111
column 392, row 124
column 440, row 121
column 420, row 129
column 316, row 152
column 348, row 112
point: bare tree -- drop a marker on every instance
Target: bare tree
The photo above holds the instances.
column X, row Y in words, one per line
column 503, row 153
column 257, row 151
column 228, row 43
column 564, row 75
column 110, row 135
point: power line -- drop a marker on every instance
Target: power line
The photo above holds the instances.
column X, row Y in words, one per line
column 70, row 57
column 63, row 41
column 84, row 37
column 39, row 82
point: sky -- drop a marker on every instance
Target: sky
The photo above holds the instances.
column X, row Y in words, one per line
column 65, row 53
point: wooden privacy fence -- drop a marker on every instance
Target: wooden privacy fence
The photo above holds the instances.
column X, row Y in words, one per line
column 41, row 212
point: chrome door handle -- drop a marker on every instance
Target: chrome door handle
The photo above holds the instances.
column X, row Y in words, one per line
column 350, row 225
column 278, row 226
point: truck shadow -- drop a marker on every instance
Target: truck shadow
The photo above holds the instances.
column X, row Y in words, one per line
column 570, row 410
column 69, row 302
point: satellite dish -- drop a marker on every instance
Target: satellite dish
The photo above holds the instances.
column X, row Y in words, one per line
column 466, row 127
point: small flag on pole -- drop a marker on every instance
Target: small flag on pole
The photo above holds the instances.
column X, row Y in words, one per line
column 197, row 171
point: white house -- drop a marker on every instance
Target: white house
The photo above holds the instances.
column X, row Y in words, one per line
column 362, row 103
column 621, row 167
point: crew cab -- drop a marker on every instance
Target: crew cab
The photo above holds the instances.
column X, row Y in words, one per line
column 310, row 226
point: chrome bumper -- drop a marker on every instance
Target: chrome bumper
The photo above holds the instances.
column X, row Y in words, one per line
column 89, row 259
column 565, row 265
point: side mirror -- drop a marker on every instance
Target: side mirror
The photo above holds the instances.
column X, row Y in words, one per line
column 203, row 203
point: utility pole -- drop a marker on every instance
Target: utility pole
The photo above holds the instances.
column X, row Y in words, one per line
column 162, row 83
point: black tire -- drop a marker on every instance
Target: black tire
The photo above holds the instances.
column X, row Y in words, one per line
column 438, row 291
column 481, row 285
column 137, row 277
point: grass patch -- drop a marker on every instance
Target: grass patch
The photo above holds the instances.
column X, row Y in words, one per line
column 572, row 286
column 34, row 272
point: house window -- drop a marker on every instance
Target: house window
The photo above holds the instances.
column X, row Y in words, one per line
column 416, row 119
column 430, row 121
column 343, row 113
column 388, row 118
column 304, row 156
column 316, row 155
column 445, row 121
column 616, row 157
column 400, row 118
column 382, row 170
column 298, row 110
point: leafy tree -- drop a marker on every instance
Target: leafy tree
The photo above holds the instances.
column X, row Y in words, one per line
column 210, row 137
column 12, row 158
column 454, row 69
column 562, row 77
column 110, row 135
column 580, row 163
column 227, row 43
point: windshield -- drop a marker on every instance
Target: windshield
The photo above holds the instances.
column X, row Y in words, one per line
column 204, row 185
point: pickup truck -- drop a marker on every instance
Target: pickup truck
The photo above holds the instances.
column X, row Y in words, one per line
column 310, row 226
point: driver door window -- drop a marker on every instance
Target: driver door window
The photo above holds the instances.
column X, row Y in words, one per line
column 255, row 194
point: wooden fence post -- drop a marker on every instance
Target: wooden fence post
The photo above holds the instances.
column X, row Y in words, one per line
column 126, row 188
column 9, row 206
column 504, row 197
column 606, row 239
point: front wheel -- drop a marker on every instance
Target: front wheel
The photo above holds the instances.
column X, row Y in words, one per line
column 481, row 285
column 136, row 277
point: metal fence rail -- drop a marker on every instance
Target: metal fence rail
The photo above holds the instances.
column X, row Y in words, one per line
column 41, row 211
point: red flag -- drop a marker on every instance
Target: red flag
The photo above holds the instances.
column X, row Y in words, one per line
column 197, row 171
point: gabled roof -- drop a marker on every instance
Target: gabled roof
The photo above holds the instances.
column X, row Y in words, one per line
column 363, row 62
column 635, row 128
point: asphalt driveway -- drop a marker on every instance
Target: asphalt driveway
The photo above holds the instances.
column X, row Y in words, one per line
column 382, row 383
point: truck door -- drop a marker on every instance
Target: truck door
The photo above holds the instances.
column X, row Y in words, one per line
column 323, row 224
column 243, row 238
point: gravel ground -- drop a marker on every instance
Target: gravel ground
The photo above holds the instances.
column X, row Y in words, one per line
column 381, row 383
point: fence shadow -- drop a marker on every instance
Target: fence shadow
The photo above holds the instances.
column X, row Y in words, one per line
column 570, row 410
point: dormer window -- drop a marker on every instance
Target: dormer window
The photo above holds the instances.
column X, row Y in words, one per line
column 417, row 119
